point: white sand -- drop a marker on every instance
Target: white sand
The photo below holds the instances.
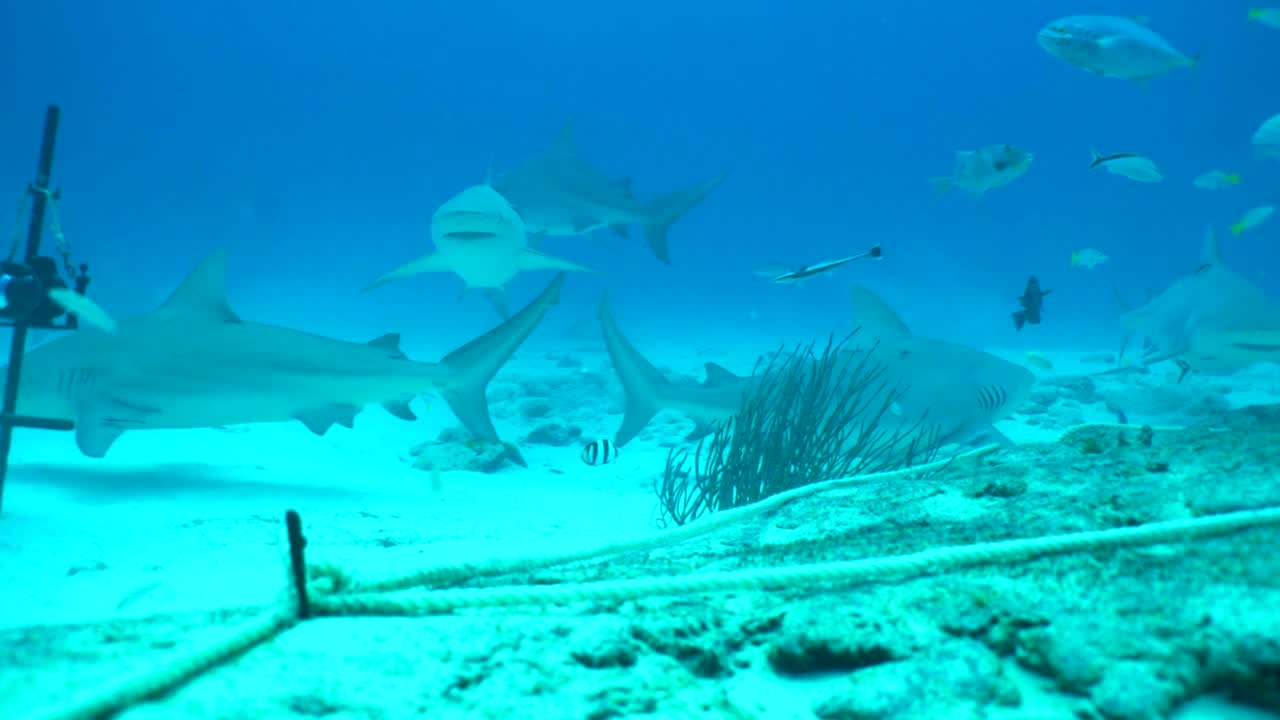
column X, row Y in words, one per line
column 176, row 520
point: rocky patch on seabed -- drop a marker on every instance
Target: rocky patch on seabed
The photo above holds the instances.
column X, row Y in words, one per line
column 1129, row 634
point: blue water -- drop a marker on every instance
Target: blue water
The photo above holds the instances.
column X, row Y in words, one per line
column 315, row 140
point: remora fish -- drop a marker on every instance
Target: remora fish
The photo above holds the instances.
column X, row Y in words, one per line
column 808, row 271
column 559, row 193
column 193, row 363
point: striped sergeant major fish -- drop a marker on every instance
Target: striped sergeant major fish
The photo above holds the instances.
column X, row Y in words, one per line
column 600, row 452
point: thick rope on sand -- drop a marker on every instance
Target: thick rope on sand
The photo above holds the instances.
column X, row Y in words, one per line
column 331, row 579
column 175, row 670
column 837, row 574
column 351, row 596
column 165, row 675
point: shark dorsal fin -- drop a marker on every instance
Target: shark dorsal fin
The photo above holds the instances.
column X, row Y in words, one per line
column 389, row 342
column 566, row 141
column 717, row 375
column 203, row 293
column 1210, row 251
column 873, row 316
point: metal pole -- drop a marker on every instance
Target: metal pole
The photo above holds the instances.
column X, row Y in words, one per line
column 40, row 200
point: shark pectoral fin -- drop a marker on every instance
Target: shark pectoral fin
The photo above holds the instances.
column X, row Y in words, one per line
column 94, row 439
column 102, row 420
column 990, row 434
column 400, row 408
column 319, row 420
column 435, row 262
column 472, row 366
column 667, row 209
column 533, row 260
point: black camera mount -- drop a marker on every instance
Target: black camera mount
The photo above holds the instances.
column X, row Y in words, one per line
column 24, row 297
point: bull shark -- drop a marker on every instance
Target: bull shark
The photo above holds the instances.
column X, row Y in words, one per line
column 1212, row 321
column 481, row 239
column 559, row 193
column 193, row 363
column 958, row 391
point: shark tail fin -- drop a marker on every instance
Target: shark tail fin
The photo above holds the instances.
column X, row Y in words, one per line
column 641, row 381
column 1019, row 319
column 473, row 365
column 499, row 299
column 665, row 210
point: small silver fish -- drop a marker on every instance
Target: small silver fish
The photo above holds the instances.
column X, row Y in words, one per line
column 1253, row 219
column 1266, row 16
column 977, row 171
column 599, row 452
column 1216, row 180
column 1088, row 258
column 1039, row 360
column 1134, row 167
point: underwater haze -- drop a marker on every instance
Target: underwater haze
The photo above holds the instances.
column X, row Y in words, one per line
column 314, row 141
column 501, row 297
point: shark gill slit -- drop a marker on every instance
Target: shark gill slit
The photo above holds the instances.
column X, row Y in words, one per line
column 991, row 397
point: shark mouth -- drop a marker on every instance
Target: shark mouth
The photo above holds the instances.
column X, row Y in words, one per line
column 469, row 235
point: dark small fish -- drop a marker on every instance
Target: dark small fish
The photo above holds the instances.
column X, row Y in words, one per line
column 1121, row 416
column 809, row 271
column 1032, row 302
column 600, row 452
